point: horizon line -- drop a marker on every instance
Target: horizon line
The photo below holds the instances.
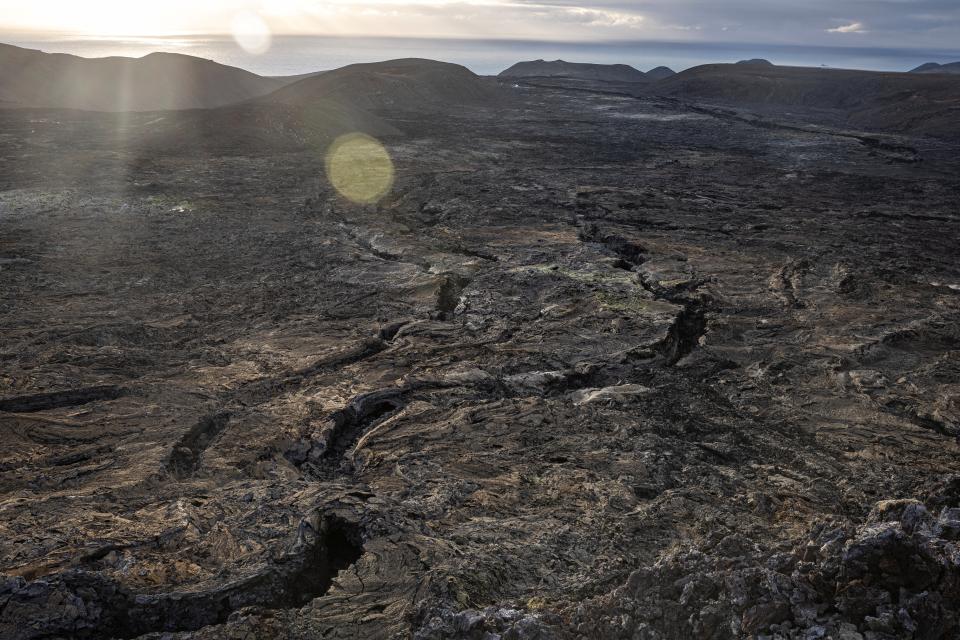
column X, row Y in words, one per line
column 73, row 36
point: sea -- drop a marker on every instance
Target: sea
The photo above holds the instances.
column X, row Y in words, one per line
column 296, row 54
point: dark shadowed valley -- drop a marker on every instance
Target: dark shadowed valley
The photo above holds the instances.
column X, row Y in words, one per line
column 400, row 351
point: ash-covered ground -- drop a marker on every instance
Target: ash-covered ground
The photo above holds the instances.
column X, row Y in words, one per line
column 596, row 367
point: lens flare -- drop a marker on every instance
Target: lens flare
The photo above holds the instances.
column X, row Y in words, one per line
column 359, row 168
column 251, row 33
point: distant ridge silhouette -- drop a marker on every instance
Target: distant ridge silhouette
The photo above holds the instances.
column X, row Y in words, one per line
column 933, row 67
column 578, row 70
column 158, row 81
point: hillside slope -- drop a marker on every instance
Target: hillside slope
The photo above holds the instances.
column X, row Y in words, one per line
column 316, row 109
column 255, row 129
column 901, row 102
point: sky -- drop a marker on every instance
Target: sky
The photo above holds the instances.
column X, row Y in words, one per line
column 855, row 23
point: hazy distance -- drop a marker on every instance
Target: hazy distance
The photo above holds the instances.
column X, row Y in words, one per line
column 290, row 55
column 853, row 33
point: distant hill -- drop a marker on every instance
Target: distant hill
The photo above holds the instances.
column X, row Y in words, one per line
column 577, row 70
column 933, row 67
column 31, row 78
column 757, row 61
column 410, row 84
column 899, row 102
column 660, row 73
column 313, row 111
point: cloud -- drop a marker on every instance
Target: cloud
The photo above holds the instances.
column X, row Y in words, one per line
column 603, row 18
column 853, row 27
column 928, row 24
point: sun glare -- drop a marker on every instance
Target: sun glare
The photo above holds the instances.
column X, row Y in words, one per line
column 251, row 33
column 124, row 18
column 360, row 168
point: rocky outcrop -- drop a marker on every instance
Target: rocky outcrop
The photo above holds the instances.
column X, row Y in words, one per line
column 896, row 575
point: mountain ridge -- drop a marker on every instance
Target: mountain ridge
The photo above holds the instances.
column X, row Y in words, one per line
column 154, row 82
column 578, row 70
column 935, row 67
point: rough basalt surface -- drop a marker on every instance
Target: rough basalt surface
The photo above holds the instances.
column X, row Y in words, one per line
column 596, row 367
